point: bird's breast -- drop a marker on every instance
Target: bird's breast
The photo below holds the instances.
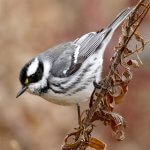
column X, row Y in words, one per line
column 69, row 99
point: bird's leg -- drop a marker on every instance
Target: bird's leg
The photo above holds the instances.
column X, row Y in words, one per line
column 79, row 116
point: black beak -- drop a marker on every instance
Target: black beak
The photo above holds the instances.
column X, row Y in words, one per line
column 21, row 91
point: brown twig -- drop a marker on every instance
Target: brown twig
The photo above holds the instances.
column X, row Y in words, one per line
column 111, row 89
column 116, row 62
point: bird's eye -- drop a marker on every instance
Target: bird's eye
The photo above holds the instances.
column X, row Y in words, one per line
column 32, row 76
column 26, row 81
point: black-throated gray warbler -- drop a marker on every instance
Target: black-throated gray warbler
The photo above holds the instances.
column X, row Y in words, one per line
column 65, row 74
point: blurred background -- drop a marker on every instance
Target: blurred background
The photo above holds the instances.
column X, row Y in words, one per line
column 28, row 27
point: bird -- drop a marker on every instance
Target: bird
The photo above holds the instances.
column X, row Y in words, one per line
column 64, row 74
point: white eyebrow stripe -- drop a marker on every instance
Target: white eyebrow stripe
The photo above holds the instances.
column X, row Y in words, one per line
column 33, row 67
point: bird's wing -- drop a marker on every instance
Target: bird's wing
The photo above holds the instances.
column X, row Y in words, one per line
column 62, row 60
column 76, row 52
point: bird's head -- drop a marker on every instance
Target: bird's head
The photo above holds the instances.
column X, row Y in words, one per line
column 33, row 76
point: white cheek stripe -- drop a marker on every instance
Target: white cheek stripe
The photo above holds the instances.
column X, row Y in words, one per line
column 47, row 66
column 33, row 67
column 43, row 82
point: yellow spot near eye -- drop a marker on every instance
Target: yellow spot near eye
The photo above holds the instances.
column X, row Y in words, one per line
column 26, row 81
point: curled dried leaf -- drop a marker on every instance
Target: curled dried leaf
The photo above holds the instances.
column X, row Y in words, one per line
column 139, row 38
column 127, row 52
column 70, row 140
column 96, row 144
column 115, row 120
column 124, row 62
column 70, row 146
column 73, row 134
column 140, row 61
column 126, row 76
column 115, row 91
column 133, row 63
column 119, row 135
column 96, row 116
column 118, row 99
column 108, row 101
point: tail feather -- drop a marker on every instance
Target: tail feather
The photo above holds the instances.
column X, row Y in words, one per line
column 106, row 34
column 120, row 18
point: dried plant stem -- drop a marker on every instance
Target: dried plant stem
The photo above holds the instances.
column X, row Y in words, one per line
column 112, row 88
column 138, row 49
column 116, row 62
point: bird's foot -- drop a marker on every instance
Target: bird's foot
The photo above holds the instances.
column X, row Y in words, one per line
column 97, row 85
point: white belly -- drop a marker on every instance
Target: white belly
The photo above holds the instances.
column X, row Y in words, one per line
column 62, row 99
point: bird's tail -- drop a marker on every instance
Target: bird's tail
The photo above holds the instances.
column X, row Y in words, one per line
column 120, row 18
column 106, row 34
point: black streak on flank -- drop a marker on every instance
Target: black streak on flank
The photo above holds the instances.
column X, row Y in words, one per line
column 79, row 89
column 76, row 82
column 48, row 87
